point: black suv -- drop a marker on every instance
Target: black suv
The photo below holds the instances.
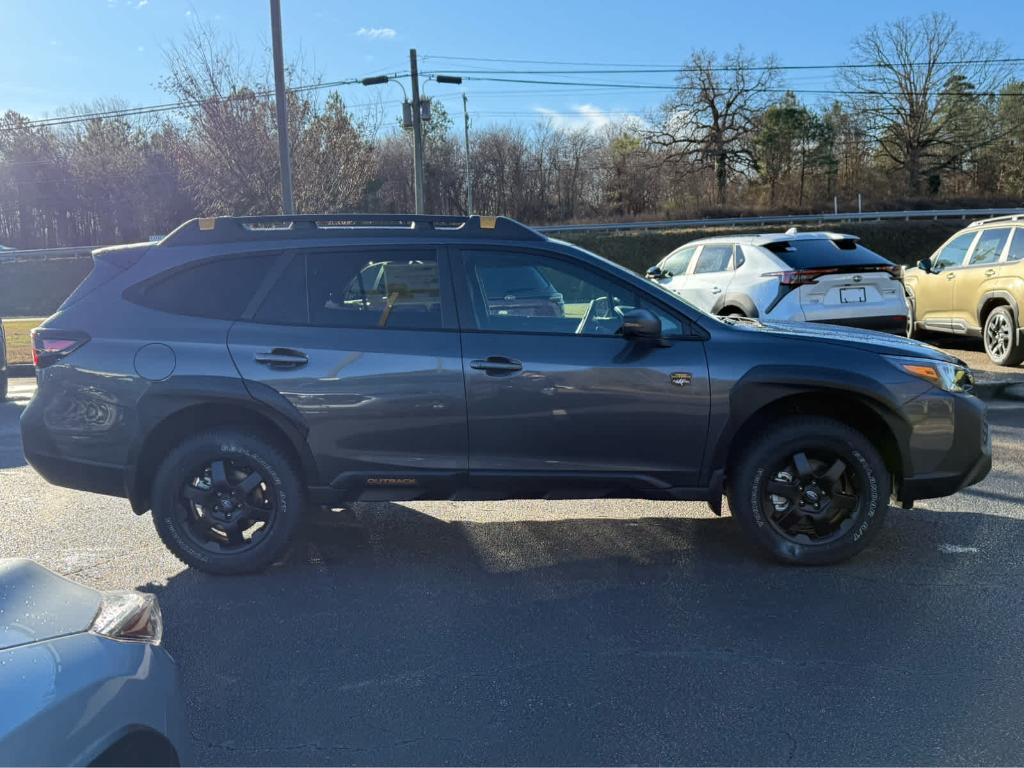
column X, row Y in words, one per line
column 242, row 369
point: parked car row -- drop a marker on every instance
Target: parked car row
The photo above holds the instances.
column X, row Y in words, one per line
column 972, row 285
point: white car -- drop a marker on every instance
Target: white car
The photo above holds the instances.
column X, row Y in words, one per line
column 819, row 277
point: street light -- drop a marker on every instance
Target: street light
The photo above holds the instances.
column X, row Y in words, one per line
column 456, row 80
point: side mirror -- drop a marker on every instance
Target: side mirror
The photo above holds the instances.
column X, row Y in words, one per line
column 640, row 324
column 925, row 265
column 655, row 273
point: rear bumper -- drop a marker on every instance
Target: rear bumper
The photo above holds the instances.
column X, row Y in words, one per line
column 896, row 324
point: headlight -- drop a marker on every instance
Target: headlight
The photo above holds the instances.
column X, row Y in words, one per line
column 129, row 616
column 949, row 377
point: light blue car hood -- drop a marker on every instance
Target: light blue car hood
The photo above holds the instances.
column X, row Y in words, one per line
column 36, row 604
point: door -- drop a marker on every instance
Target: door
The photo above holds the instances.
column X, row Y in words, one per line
column 709, row 277
column 981, row 271
column 363, row 342
column 675, row 266
column 933, row 293
column 563, row 397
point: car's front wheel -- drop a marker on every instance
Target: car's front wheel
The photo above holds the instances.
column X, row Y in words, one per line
column 1001, row 339
column 227, row 501
column 810, row 490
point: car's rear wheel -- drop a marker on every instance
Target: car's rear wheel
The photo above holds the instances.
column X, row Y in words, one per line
column 1001, row 339
column 227, row 501
column 3, row 387
column 810, row 490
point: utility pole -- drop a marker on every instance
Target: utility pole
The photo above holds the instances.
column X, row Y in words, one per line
column 417, row 132
column 469, row 173
column 287, row 202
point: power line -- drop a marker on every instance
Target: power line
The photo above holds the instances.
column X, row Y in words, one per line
column 673, row 68
column 174, row 106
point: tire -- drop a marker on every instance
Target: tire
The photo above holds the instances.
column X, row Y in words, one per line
column 911, row 321
column 1000, row 337
column 201, row 510
column 859, row 498
column 3, row 387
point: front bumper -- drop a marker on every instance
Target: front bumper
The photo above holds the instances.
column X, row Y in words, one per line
column 966, row 462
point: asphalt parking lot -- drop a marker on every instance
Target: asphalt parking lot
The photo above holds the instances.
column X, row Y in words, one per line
column 576, row 632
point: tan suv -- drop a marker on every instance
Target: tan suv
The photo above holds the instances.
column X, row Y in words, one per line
column 974, row 285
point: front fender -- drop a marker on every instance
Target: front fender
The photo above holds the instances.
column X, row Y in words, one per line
column 765, row 385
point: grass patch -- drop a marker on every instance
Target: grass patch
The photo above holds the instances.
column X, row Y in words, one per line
column 19, row 345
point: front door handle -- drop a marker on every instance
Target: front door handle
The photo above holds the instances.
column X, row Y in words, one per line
column 497, row 364
column 950, row 275
column 281, row 358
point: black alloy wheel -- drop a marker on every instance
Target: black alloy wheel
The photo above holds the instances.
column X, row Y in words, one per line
column 811, row 499
column 228, row 504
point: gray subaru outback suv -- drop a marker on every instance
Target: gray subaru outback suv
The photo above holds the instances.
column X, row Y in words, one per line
column 243, row 369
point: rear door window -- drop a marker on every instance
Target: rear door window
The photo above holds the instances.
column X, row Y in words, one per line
column 822, row 252
column 990, row 246
column 1016, row 250
column 374, row 289
column 219, row 289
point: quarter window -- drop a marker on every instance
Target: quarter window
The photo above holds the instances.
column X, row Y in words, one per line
column 353, row 289
column 521, row 292
column 1016, row 252
column 952, row 254
column 990, row 246
column 713, row 258
column 220, row 289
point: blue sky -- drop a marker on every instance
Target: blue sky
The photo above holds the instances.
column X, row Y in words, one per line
column 54, row 53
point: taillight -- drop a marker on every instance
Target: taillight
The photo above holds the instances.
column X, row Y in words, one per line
column 49, row 346
column 800, row 276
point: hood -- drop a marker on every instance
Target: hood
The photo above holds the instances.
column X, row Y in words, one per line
column 870, row 341
column 36, row 604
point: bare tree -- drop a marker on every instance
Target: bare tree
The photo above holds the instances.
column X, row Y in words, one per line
column 711, row 119
column 897, row 78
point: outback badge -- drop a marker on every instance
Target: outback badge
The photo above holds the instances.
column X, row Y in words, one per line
column 681, row 378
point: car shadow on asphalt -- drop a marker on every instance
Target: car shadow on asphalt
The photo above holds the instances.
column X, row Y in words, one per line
column 394, row 637
column 10, row 434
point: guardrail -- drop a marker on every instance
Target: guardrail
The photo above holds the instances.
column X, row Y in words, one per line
column 47, row 254
column 801, row 218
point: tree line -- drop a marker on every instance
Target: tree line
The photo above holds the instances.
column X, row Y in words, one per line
column 921, row 114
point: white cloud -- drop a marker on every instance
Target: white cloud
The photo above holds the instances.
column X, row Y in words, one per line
column 581, row 116
column 142, row 3
column 376, row 33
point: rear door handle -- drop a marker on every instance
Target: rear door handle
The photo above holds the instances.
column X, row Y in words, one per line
column 497, row 364
column 989, row 272
column 281, row 358
column 716, row 289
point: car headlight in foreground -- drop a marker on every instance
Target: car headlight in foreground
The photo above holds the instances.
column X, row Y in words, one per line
column 131, row 616
column 948, row 377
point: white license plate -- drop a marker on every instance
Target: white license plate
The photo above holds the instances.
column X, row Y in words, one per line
column 851, row 295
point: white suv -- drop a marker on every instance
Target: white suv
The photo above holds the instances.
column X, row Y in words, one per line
column 819, row 277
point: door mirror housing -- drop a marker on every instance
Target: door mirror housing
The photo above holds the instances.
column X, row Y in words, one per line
column 640, row 324
column 925, row 265
column 655, row 273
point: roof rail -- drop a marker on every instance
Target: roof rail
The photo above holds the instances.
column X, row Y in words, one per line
column 1011, row 217
column 231, row 229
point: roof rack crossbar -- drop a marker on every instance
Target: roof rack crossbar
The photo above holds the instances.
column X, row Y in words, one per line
column 224, row 229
